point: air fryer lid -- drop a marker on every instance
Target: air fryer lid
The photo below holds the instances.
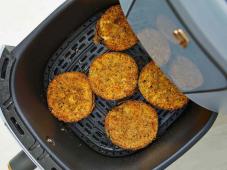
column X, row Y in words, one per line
column 177, row 51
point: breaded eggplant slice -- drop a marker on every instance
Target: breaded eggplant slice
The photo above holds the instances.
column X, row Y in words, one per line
column 132, row 125
column 70, row 97
column 158, row 90
column 113, row 75
column 113, row 30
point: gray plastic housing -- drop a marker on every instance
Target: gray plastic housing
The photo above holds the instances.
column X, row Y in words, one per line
column 199, row 70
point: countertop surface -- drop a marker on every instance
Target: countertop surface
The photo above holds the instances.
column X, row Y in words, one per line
column 19, row 18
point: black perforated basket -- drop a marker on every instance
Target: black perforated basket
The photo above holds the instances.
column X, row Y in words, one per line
column 76, row 54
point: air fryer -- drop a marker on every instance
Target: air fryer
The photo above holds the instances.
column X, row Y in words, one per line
column 63, row 42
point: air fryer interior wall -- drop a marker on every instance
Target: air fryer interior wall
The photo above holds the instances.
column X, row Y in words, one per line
column 68, row 151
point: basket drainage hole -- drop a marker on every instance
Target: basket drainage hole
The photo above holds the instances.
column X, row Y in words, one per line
column 76, row 68
column 82, row 59
column 98, row 115
column 79, row 123
column 56, row 71
column 67, row 54
column 90, row 38
column 64, row 66
column 99, row 134
column 81, row 46
column 91, row 31
column 93, row 49
column 60, row 62
column 89, row 126
column 92, row 57
column 81, row 39
column 100, row 123
column 100, row 50
column 75, row 47
column 102, row 104
column 53, row 169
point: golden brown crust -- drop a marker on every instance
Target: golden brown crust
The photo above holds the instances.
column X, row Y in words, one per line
column 113, row 75
column 158, row 90
column 132, row 125
column 70, row 97
column 113, row 30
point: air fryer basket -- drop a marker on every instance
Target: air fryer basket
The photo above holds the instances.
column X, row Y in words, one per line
column 56, row 145
column 77, row 55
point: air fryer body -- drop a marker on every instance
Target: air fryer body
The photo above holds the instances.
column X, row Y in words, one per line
column 198, row 68
column 49, row 143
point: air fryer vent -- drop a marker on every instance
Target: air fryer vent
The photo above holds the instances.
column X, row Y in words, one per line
column 76, row 54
